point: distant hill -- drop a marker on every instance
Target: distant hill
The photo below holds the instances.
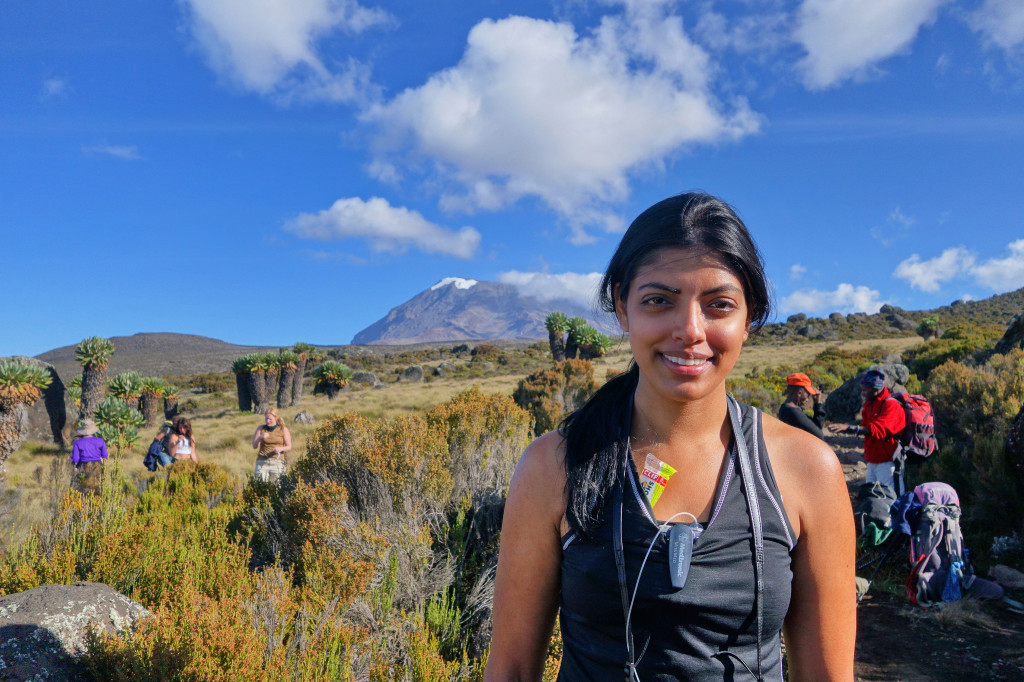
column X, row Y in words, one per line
column 891, row 321
column 158, row 354
column 458, row 309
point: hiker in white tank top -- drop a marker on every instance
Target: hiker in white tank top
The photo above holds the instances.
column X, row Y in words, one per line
column 182, row 444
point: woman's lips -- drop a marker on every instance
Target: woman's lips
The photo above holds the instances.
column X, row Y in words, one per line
column 686, row 366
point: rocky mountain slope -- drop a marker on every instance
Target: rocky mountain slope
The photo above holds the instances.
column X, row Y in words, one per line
column 457, row 309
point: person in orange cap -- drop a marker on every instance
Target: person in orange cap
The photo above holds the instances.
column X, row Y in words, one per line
column 799, row 390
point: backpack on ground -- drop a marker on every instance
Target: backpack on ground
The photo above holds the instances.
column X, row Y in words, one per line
column 918, row 436
column 872, row 511
column 152, row 459
column 940, row 564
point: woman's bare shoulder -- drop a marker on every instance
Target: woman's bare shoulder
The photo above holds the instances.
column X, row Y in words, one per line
column 540, row 475
column 806, row 469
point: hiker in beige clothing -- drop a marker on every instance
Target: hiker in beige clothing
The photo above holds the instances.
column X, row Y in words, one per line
column 271, row 440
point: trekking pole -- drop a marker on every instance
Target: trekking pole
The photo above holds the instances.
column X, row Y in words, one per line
column 881, row 562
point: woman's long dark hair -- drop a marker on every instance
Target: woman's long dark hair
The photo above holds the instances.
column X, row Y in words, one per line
column 596, row 437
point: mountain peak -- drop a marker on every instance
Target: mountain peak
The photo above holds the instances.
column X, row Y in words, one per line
column 457, row 282
column 458, row 309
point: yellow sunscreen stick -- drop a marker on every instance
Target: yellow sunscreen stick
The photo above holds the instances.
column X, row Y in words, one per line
column 654, row 478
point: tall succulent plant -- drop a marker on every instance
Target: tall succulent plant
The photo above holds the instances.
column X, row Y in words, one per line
column 556, row 323
column 94, row 355
column 259, row 363
column 153, row 389
column 331, row 377
column 306, row 353
column 575, row 326
column 242, row 367
column 128, row 387
column 21, row 385
column 288, row 362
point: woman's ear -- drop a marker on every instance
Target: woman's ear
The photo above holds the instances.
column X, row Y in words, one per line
column 620, row 309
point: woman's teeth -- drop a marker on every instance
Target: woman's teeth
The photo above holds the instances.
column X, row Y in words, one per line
column 686, row 362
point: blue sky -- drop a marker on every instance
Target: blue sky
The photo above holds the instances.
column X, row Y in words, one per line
column 283, row 170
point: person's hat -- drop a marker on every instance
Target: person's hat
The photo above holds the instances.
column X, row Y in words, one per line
column 87, row 428
column 874, row 378
column 802, row 380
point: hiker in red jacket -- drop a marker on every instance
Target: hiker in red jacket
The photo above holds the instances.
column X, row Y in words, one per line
column 881, row 423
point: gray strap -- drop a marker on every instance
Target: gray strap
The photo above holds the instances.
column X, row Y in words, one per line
column 753, row 507
column 620, row 568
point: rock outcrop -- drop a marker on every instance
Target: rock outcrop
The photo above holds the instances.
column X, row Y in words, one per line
column 304, row 417
column 413, row 374
column 444, row 370
column 43, row 630
column 365, row 379
column 844, row 403
column 47, row 420
column 1013, row 338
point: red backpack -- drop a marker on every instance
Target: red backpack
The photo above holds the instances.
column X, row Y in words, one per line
column 918, row 437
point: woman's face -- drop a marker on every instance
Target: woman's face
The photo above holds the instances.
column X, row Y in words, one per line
column 182, row 427
column 270, row 420
column 687, row 319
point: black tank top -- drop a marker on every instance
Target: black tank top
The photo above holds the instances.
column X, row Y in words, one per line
column 685, row 633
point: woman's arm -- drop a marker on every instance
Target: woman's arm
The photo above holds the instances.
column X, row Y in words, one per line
column 257, row 437
column 821, row 625
column 527, row 581
column 287, row 440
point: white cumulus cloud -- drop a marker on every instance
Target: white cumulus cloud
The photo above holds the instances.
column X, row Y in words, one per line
column 270, row 46
column 846, row 298
column 1000, row 23
column 998, row 274
column 848, row 38
column 580, row 288
column 796, row 271
column 384, row 227
column 1003, row 274
column 534, row 109
column 927, row 275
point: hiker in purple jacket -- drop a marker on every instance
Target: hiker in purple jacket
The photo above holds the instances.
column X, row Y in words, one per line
column 87, row 454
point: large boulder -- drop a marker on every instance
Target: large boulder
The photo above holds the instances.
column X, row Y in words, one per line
column 1013, row 338
column 844, row 403
column 413, row 374
column 796, row 317
column 444, row 370
column 43, row 630
column 49, row 419
column 365, row 379
column 304, row 417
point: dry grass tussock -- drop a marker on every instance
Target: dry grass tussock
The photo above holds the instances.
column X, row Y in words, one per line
column 970, row 612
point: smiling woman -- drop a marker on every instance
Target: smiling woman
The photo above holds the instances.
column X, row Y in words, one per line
column 764, row 540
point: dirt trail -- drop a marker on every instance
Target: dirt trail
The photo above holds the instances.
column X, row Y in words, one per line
column 900, row 642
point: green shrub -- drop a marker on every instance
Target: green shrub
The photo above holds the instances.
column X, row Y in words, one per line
column 959, row 342
column 974, row 408
column 550, row 394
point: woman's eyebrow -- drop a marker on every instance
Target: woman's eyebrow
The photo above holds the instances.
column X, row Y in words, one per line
column 724, row 288
column 659, row 286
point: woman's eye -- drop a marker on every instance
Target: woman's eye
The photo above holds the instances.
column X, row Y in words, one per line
column 723, row 305
column 655, row 300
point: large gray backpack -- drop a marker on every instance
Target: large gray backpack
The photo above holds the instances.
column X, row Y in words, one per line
column 940, row 565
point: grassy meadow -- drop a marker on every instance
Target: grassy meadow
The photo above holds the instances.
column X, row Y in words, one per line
column 37, row 472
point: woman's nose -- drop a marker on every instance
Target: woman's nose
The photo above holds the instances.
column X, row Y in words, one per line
column 689, row 324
